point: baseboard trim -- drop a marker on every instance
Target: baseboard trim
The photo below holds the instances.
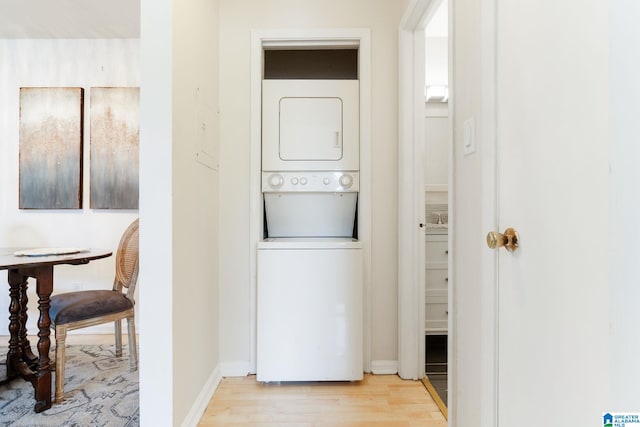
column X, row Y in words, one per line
column 384, row 367
column 200, row 405
column 235, row 369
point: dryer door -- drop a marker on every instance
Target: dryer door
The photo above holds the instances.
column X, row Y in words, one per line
column 310, row 129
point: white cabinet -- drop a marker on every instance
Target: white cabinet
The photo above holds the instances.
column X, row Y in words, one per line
column 436, row 284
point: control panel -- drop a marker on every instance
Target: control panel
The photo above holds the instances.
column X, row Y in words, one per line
column 310, row 181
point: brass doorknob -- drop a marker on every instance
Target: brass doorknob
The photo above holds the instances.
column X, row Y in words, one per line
column 509, row 239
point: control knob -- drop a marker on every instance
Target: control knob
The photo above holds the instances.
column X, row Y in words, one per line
column 346, row 181
column 276, row 180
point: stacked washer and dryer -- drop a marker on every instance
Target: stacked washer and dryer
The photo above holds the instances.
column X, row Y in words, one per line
column 309, row 273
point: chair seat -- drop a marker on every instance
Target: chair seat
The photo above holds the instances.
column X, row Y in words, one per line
column 75, row 306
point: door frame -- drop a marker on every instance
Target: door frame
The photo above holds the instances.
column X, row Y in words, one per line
column 411, row 212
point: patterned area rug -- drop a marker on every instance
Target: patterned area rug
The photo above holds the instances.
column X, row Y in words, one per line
column 99, row 390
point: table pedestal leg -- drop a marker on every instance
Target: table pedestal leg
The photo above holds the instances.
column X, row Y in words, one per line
column 19, row 348
column 14, row 356
column 42, row 379
column 27, row 354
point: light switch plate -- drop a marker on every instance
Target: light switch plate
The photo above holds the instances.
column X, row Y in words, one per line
column 469, row 136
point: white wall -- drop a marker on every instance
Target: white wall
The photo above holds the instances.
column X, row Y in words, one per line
column 195, row 203
column 436, row 48
column 624, row 204
column 59, row 62
column 179, row 210
column 436, row 133
column 237, row 19
column 436, row 61
column 156, row 215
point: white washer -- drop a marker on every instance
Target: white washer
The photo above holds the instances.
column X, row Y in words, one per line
column 309, row 309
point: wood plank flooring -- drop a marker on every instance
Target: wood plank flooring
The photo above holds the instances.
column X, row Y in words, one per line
column 378, row 400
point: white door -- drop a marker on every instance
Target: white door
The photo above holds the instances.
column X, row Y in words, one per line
column 552, row 173
column 531, row 328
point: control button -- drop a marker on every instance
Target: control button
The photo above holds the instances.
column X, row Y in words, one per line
column 294, row 181
column 326, row 181
column 346, row 181
column 276, row 180
column 303, row 181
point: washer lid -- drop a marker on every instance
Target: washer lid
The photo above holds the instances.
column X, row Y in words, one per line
column 309, row 243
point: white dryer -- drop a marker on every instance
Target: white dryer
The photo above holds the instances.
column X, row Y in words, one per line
column 310, row 125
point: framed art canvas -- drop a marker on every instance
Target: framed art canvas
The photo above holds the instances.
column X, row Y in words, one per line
column 50, row 144
column 114, row 147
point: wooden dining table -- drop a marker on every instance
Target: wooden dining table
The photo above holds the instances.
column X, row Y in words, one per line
column 36, row 263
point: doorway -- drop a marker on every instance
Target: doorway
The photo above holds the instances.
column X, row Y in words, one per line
column 411, row 197
column 436, row 189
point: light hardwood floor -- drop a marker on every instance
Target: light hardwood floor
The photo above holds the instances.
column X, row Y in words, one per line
column 378, row 400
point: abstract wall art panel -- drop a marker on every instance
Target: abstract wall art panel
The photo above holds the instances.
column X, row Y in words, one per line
column 50, row 148
column 114, row 147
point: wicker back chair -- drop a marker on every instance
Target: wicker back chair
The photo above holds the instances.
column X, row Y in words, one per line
column 81, row 309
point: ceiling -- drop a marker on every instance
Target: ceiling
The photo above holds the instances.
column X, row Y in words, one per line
column 69, row 19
